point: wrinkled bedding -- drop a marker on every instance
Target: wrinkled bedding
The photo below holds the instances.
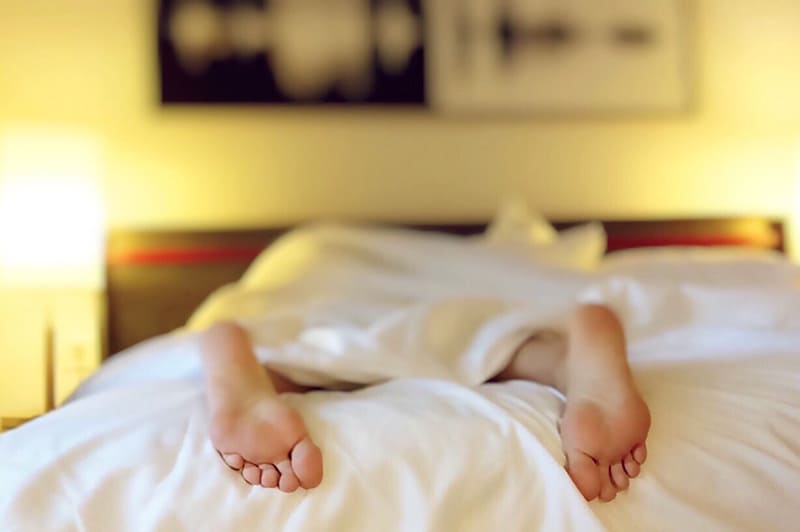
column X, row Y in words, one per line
column 418, row 323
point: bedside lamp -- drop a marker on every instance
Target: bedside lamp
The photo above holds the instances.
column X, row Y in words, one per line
column 51, row 234
column 794, row 218
column 52, row 243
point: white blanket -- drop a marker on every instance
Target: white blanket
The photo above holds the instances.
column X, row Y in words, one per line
column 434, row 449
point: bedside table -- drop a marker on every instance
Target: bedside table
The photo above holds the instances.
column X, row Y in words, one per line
column 78, row 324
column 8, row 423
column 50, row 341
column 22, row 360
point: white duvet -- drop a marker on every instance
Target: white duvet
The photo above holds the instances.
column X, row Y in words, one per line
column 425, row 320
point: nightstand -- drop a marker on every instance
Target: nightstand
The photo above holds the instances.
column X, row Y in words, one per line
column 50, row 341
column 78, row 341
column 22, row 354
column 8, row 423
column 51, row 266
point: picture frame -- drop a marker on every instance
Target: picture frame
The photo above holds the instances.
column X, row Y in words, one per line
column 453, row 57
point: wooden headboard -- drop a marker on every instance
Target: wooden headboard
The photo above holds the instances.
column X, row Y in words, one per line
column 155, row 279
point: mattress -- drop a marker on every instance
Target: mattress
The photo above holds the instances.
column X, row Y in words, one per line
column 424, row 444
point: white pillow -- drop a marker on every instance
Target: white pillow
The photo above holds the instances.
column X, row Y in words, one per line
column 705, row 265
column 582, row 247
column 514, row 223
column 517, row 229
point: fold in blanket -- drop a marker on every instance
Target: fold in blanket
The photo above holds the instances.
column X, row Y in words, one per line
column 359, row 307
column 332, row 306
column 718, row 365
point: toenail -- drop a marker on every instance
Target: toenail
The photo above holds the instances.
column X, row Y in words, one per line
column 269, row 476
column 226, row 458
column 289, row 483
column 249, row 473
column 639, row 455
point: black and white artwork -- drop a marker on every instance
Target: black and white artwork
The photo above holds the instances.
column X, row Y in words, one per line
column 452, row 56
column 292, row 51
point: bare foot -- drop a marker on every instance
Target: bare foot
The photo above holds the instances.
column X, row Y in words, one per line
column 253, row 430
column 268, row 442
column 604, row 439
column 605, row 423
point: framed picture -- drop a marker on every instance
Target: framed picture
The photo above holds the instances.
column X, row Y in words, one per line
column 351, row 52
column 452, row 56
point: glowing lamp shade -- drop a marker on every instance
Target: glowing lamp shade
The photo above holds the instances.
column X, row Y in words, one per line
column 51, row 218
column 50, row 233
column 793, row 243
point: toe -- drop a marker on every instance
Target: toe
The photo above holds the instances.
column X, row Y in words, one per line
column 251, row 474
column 631, row 466
column 234, row 461
column 269, row 476
column 583, row 471
column 640, row 453
column 618, row 477
column 288, row 481
column 307, row 463
column 608, row 492
column 607, row 489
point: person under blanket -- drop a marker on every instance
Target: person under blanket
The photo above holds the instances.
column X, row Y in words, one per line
column 603, row 428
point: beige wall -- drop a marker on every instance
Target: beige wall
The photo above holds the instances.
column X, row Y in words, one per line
column 90, row 64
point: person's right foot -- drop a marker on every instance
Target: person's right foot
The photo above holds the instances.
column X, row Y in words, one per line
column 603, row 435
column 605, row 422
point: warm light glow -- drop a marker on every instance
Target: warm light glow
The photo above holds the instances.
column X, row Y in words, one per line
column 51, row 232
column 794, row 218
column 51, row 215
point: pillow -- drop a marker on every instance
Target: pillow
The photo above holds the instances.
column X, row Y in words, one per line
column 705, row 265
column 516, row 224
column 582, row 247
column 517, row 229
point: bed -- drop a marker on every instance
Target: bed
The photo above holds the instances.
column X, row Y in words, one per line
column 711, row 309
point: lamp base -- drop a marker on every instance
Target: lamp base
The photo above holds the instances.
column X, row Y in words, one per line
column 8, row 423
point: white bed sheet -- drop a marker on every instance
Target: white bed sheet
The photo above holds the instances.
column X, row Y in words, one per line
column 719, row 366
